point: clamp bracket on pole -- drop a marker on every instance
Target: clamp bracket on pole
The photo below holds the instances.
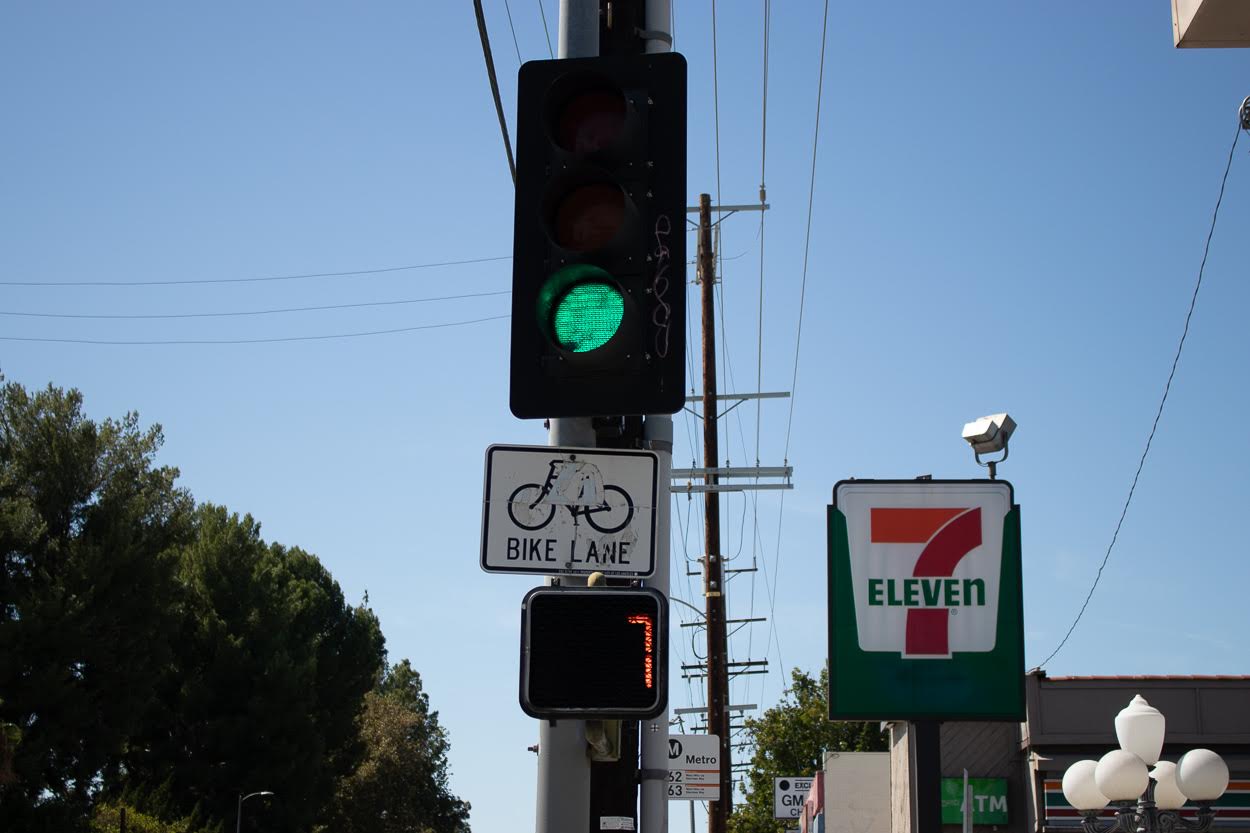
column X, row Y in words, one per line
column 655, row 34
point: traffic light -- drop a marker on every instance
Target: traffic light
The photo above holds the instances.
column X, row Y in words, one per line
column 594, row 652
column 598, row 280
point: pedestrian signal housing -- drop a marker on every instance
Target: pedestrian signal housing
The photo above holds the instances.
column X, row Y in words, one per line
column 598, row 286
column 594, row 652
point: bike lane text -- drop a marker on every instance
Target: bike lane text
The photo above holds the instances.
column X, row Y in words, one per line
column 580, row 551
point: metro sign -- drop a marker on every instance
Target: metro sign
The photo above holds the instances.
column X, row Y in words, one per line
column 925, row 601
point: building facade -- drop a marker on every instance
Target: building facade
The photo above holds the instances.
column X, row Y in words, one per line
column 1017, row 768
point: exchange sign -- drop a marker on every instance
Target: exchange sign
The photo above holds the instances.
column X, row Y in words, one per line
column 789, row 794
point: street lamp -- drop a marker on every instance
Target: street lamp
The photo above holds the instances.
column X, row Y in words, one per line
column 238, row 821
column 1145, row 801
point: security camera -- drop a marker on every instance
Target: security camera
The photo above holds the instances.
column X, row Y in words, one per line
column 989, row 433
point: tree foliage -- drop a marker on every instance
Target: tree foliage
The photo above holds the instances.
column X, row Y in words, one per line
column 161, row 658
column 401, row 785
column 88, row 530
column 269, row 674
column 791, row 739
column 107, row 818
column 10, row 737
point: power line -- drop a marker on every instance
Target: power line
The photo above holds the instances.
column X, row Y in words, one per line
column 508, row 10
column 716, row 107
column 807, row 242
column 759, row 337
column 546, row 31
column 1193, row 300
column 759, row 323
column 494, row 84
column 768, row 15
column 254, row 340
column 251, row 312
column 189, row 282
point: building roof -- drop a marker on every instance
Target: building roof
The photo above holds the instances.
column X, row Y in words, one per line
column 1080, row 711
column 1155, row 677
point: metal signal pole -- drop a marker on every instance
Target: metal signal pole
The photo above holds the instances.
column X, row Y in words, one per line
column 713, row 568
column 563, row 801
column 658, row 437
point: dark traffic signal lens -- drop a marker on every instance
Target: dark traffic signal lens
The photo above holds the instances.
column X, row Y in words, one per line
column 590, row 121
column 588, row 217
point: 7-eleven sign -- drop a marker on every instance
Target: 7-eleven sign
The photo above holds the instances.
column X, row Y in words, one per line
column 925, row 600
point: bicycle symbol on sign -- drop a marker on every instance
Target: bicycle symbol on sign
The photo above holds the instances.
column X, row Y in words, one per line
column 577, row 486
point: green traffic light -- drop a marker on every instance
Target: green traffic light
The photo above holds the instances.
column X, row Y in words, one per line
column 585, row 306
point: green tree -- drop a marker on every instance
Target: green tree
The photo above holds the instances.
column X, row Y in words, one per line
column 89, row 527
column 107, row 817
column 401, row 785
column 10, row 737
column 791, row 739
column 268, row 678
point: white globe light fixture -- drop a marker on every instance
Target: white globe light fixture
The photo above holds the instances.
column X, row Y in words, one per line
column 1145, row 800
column 1168, row 795
column 1139, row 729
column 1202, row 775
column 1081, row 790
column 1121, row 775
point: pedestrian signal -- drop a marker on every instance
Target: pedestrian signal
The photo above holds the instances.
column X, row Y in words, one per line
column 594, row 652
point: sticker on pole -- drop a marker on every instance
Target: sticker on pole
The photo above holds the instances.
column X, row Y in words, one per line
column 554, row 510
column 694, row 767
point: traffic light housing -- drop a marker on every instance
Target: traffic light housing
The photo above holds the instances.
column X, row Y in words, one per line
column 594, row 653
column 598, row 287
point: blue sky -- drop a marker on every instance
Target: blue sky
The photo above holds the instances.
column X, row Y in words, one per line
column 1010, row 207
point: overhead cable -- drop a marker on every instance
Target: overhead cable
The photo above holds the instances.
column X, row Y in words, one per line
column 508, row 10
column 110, row 316
column 189, row 282
column 807, row 242
column 546, row 31
column 1242, row 123
column 253, row 340
column 494, row 84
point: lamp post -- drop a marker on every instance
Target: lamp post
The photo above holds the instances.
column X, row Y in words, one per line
column 238, row 820
column 1145, row 801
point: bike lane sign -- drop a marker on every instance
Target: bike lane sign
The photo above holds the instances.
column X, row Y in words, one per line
column 554, row 511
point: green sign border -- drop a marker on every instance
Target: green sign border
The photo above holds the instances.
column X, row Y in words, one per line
column 878, row 685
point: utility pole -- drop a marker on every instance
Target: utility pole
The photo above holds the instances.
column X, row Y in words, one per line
column 713, row 568
column 717, row 478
